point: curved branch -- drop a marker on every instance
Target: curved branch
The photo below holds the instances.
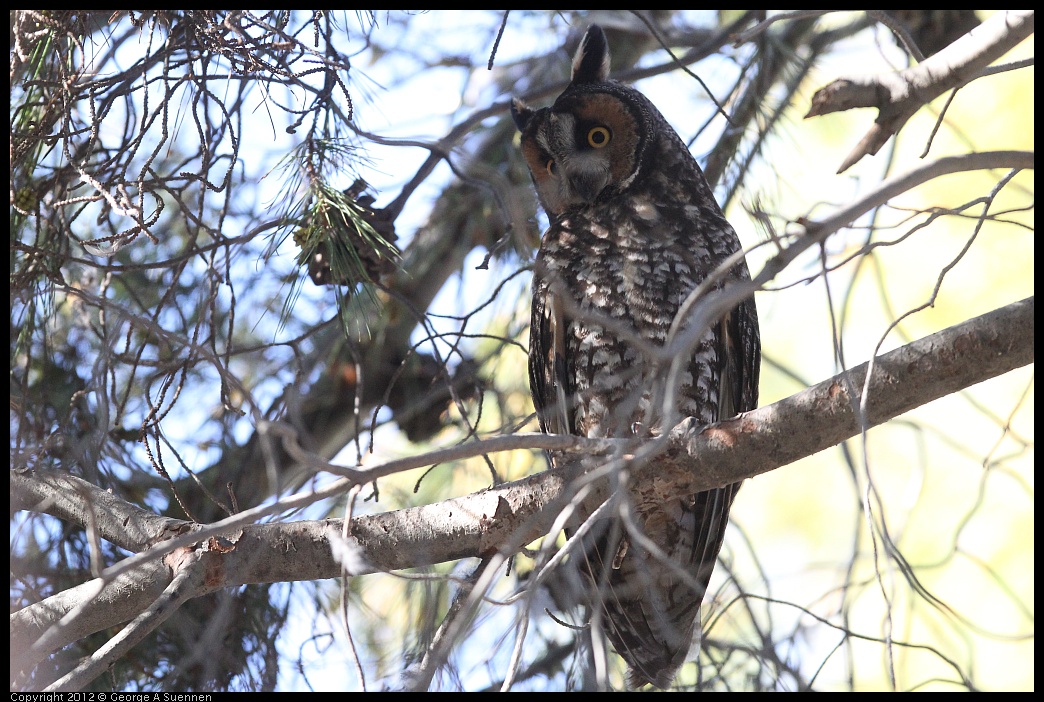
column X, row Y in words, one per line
column 818, row 231
column 897, row 96
column 713, row 456
column 186, row 584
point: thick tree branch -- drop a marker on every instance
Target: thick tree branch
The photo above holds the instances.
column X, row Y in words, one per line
column 897, row 96
column 707, row 457
column 74, row 500
column 504, row 518
column 40, row 629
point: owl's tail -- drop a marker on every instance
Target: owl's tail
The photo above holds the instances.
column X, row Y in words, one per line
column 651, row 601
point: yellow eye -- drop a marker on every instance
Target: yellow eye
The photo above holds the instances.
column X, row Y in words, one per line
column 598, row 137
column 551, row 167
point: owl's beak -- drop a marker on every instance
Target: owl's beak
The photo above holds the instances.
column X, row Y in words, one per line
column 588, row 185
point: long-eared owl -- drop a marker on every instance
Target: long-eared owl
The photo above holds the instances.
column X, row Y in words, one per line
column 634, row 229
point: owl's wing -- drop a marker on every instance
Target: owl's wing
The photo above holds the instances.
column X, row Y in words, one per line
column 653, row 614
column 741, row 360
column 549, row 377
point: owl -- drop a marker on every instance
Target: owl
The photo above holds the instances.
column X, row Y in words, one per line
column 634, row 230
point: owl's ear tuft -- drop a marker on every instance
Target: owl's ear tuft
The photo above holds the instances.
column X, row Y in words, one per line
column 591, row 63
column 521, row 113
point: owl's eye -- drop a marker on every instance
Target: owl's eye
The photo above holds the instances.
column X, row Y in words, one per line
column 598, row 137
column 552, row 169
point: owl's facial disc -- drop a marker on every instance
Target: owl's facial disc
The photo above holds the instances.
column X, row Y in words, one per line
column 579, row 172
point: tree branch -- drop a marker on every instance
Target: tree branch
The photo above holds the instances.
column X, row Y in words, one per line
column 897, row 96
column 707, row 457
column 504, row 518
column 187, row 583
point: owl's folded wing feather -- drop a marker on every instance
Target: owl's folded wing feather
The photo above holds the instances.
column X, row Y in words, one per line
column 653, row 623
column 549, row 376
